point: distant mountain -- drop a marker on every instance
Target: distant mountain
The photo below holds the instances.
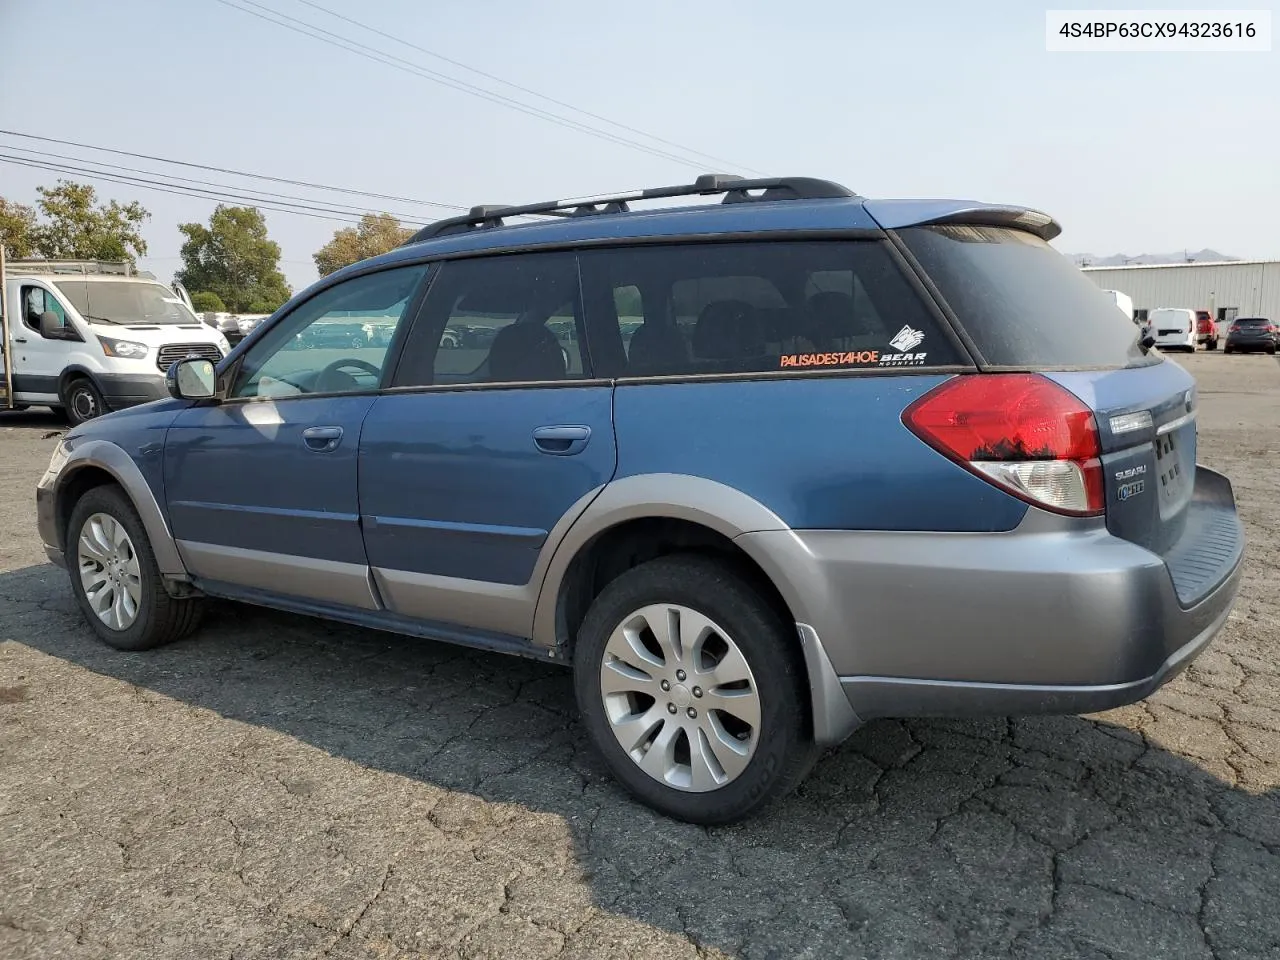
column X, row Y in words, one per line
column 1122, row 259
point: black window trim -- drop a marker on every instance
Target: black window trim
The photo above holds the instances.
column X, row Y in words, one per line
column 932, row 300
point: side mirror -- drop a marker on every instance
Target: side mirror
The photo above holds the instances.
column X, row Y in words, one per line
column 192, row 378
column 52, row 328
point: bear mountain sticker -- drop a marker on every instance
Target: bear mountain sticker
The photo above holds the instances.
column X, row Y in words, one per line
column 906, row 339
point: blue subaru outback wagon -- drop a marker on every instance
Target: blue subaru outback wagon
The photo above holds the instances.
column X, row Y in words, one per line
column 760, row 470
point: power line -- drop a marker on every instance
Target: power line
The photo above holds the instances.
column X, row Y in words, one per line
column 173, row 188
column 406, row 66
column 267, row 195
column 235, row 173
column 516, row 86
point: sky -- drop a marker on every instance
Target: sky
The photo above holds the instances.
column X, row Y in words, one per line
column 1131, row 152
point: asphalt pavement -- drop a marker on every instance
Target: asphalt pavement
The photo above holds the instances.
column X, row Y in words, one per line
column 281, row 787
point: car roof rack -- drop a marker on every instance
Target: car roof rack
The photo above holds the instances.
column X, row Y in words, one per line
column 114, row 268
column 735, row 189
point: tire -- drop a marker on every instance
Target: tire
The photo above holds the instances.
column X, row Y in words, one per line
column 159, row 618
column 1226, row 349
column 82, row 401
column 778, row 750
column 1271, row 350
column 1211, row 345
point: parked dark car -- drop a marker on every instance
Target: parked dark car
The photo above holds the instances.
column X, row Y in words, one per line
column 1252, row 333
column 336, row 334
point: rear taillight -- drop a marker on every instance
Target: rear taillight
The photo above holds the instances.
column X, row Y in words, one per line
column 1020, row 431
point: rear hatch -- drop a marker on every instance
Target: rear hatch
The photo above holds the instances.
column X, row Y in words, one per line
column 1026, row 307
column 1171, row 323
column 1252, row 328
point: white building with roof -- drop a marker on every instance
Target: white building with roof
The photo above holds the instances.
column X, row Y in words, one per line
column 1229, row 289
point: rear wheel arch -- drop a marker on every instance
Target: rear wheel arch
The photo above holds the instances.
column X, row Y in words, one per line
column 706, row 513
column 630, row 543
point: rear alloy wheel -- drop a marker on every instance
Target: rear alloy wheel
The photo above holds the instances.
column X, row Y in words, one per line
column 691, row 687
column 115, row 578
column 82, row 401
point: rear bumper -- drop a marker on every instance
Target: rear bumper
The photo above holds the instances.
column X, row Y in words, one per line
column 130, row 389
column 1251, row 343
column 1056, row 616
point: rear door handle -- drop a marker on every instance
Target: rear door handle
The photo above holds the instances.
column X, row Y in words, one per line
column 322, row 439
column 562, row 441
column 19, row 339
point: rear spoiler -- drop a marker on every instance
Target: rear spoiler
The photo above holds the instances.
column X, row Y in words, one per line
column 895, row 214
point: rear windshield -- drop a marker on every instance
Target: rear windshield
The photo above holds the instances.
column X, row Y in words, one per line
column 1252, row 322
column 1022, row 302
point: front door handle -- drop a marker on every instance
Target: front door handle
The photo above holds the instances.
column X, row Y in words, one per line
column 561, row 441
column 19, row 339
column 322, row 439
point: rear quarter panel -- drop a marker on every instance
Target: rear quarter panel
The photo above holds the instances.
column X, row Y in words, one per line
column 820, row 453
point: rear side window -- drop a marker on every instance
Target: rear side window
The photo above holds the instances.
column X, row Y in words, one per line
column 690, row 309
column 1023, row 303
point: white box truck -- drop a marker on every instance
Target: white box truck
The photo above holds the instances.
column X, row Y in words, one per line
column 86, row 337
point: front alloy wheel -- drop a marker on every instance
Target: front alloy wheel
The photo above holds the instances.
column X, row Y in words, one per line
column 109, row 571
column 115, row 578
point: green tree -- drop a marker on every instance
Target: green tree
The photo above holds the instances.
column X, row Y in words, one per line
column 77, row 227
column 205, row 302
column 17, row 223
column 377, row 233
column 233, row 258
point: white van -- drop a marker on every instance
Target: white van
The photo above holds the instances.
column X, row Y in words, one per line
column 86, row 337
column 1173, row 327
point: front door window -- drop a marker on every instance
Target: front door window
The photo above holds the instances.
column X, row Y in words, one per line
column 335, row 343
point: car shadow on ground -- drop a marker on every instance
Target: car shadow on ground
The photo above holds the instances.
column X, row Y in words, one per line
column 1040, row 837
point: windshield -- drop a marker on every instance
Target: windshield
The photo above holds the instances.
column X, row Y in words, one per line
column 125, row 302
column 1022, row 302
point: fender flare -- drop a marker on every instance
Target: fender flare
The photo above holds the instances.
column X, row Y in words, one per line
column 732, row 514
column 674, row 496
column 112, row 459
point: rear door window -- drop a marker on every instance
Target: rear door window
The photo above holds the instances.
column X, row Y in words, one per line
column 1023, row 303
column 495, row 320
column 705, row 309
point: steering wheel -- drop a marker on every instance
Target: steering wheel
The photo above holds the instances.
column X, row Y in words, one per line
column 337, row 366
column 364, row 365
